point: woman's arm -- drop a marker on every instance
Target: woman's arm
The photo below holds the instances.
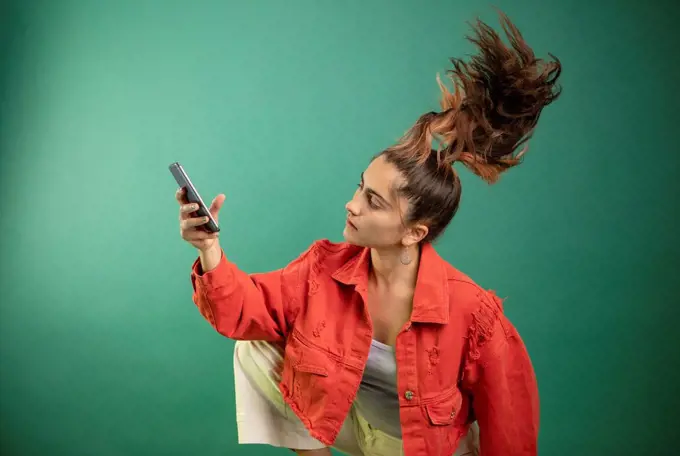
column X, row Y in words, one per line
column 245, row 306
column 503, row 384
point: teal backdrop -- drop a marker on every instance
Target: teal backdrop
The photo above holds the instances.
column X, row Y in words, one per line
column 280, row 105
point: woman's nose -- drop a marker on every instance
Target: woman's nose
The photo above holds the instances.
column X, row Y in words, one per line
column 351, row 207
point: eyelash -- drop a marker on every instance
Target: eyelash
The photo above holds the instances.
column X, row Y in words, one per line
column 369, row 198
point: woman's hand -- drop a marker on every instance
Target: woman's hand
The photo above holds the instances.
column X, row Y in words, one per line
column 191, row 227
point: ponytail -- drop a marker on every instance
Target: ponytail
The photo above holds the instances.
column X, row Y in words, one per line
column 494, row 108
column 491, row 113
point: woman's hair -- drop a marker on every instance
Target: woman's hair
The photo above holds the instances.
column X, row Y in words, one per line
column 496, row 102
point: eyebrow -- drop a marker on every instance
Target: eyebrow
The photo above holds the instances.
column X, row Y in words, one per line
column 373, row 192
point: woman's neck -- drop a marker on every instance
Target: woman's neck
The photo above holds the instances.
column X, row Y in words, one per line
column 388, row 271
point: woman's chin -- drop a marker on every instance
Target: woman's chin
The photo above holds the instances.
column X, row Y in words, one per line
column 349, row 234
column 346, row 234
column 352, row 238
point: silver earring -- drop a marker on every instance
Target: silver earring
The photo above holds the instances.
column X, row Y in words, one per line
column 404, row 257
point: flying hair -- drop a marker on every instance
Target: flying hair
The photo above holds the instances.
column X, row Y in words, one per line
column 497, row 99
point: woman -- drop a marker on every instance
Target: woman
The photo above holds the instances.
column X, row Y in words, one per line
column 377, row 346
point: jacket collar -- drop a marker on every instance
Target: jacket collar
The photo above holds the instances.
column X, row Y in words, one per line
column 431, row 296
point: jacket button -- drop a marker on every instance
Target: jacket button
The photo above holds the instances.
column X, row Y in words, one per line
column 408, row 395
column 453, row 414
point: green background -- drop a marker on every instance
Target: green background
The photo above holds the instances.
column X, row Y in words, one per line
column 280, row 105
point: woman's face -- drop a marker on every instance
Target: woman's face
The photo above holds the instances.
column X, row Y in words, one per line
column 375, row 213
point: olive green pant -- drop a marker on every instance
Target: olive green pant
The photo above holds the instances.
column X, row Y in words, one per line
column 263, row 417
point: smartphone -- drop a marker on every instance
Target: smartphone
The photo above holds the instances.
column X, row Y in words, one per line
column 192, row 195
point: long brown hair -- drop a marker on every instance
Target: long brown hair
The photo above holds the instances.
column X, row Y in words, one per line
column 495, row 104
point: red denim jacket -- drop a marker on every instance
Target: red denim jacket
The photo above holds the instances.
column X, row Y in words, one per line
column 459, row 359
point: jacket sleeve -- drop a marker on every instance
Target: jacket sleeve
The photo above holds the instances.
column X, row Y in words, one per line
column 259, row 306
column 503, row 385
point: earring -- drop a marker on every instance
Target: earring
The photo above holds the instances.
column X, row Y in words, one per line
column 404, row 257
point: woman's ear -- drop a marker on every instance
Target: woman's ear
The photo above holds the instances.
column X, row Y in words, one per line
column 415, row 234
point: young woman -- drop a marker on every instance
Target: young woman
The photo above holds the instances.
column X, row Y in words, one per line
column 377, row 346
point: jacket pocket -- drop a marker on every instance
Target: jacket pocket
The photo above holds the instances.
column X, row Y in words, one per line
column 307, row 376
column 311, row 369
column 443, row 410
column 306, row 357
column 444, row 415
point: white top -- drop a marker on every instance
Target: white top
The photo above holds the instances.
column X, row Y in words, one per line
column 377, row 400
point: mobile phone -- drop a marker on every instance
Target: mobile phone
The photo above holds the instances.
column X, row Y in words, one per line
column 192, row 195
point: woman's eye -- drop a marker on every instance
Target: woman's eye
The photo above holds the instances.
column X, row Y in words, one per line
column 369, row 198
column 371, row 202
